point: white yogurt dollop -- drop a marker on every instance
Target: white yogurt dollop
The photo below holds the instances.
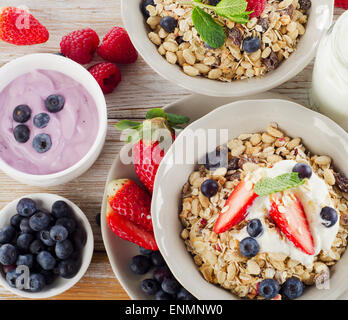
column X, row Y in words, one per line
column 314, row 195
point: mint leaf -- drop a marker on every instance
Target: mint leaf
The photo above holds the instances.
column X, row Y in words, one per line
column 155, row 113
column 127, row 124
column 210, row 31
column 176, row 119
column 283, row 182
column 231, row 8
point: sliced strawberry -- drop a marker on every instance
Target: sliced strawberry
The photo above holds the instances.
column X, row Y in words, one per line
column 129, row 231
column 291, row 220
column 128, row 213
column 235, row 209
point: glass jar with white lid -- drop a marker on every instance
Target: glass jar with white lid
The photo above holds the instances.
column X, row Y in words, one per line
column 329, row 94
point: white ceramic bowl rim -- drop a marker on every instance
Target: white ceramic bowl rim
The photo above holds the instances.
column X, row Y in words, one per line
column 34, row 61
column 87, row 249
column 320, row 18
column 167, row 230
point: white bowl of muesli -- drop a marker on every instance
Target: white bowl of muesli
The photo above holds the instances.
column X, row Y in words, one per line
column 261, row 51
column 251, row 202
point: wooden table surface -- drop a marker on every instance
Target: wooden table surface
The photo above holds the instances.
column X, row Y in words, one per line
column 140, row 90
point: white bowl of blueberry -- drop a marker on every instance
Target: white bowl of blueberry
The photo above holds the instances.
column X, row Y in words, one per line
column 46, row 245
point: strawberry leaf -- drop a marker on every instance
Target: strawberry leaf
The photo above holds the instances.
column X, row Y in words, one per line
column 175, row 119
column 155, row 113
column 283, row 182
column 127, row 124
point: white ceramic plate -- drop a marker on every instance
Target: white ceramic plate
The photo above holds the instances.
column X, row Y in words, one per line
column 319, row 134
column 120, row 251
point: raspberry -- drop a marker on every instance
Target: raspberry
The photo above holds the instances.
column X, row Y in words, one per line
column 257, row 6
column 19, row 27
column 107, row 75
column 342, row 4
column 80, row 45
column 117, row 47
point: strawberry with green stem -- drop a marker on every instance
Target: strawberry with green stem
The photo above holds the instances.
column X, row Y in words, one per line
column 150, row 141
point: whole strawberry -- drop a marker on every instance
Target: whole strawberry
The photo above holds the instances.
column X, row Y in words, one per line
column 128, row 213
column 107, row 75
column 150, row 141
column 19, row 27
column 80, row 45
column 117, row 47
column 257, row 6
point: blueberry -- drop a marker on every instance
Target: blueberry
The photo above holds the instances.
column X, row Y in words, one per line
column 11, row 278
column 64, row 249
column 209, row 188
column 48, row 275
column 68, row 268
column 36, row 246
column 145, row 252
column 15, row 221
column 24, row 240
column 24, row 226
column 249, row 247
column 58, row 233
column 157, row 259
column 214, row 2
column 8, row 254
column 79, row 238
column 268, row 288
column 168, row 24
column 140, row 264
column 41, row 120
column 68, row 223
column 36, row 282
column 26, row 207
column 44, row 236
column 46, row 260
column 254, row 228
column 251, row 44
column 39, row 221
column 7, row 234
column 183, row 294
column 162, row 273
column 26, row 260
column 42, row 143
column 303, row 170
column 54, row 103
column 171, row 286
column 292, row 288
column 161, row 295
column 21, row 113
column 329, row 215
column 150, row 286
column 60, row 209
column 216, row 159
column 21, row 133
column 143, row 6
column 9, row 268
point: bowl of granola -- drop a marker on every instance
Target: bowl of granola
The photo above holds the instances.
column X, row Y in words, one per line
column 251, row 202
column 229, row 47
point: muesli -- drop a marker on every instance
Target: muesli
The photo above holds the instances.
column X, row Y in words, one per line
column 243, row 46
column 269, row 222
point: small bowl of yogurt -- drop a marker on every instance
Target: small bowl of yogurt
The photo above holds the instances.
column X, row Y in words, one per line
column 53, row 119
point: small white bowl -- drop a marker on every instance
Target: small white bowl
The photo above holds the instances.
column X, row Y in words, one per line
column 45, row 201
column 48, row 61
column 319, row 134
column 320, row 18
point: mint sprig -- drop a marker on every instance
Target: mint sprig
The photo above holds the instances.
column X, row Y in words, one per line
column 280, row 183
column 210, row 30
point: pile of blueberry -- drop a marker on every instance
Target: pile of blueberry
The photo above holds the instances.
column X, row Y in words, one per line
column 291, row 289
column 162, row 285
column 22, row 113
column 48, row 244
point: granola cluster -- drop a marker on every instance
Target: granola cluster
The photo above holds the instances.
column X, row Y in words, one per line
column 279, row 29
column 217, row 255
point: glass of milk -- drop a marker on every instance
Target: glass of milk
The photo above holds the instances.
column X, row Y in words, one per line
column 329, row 94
